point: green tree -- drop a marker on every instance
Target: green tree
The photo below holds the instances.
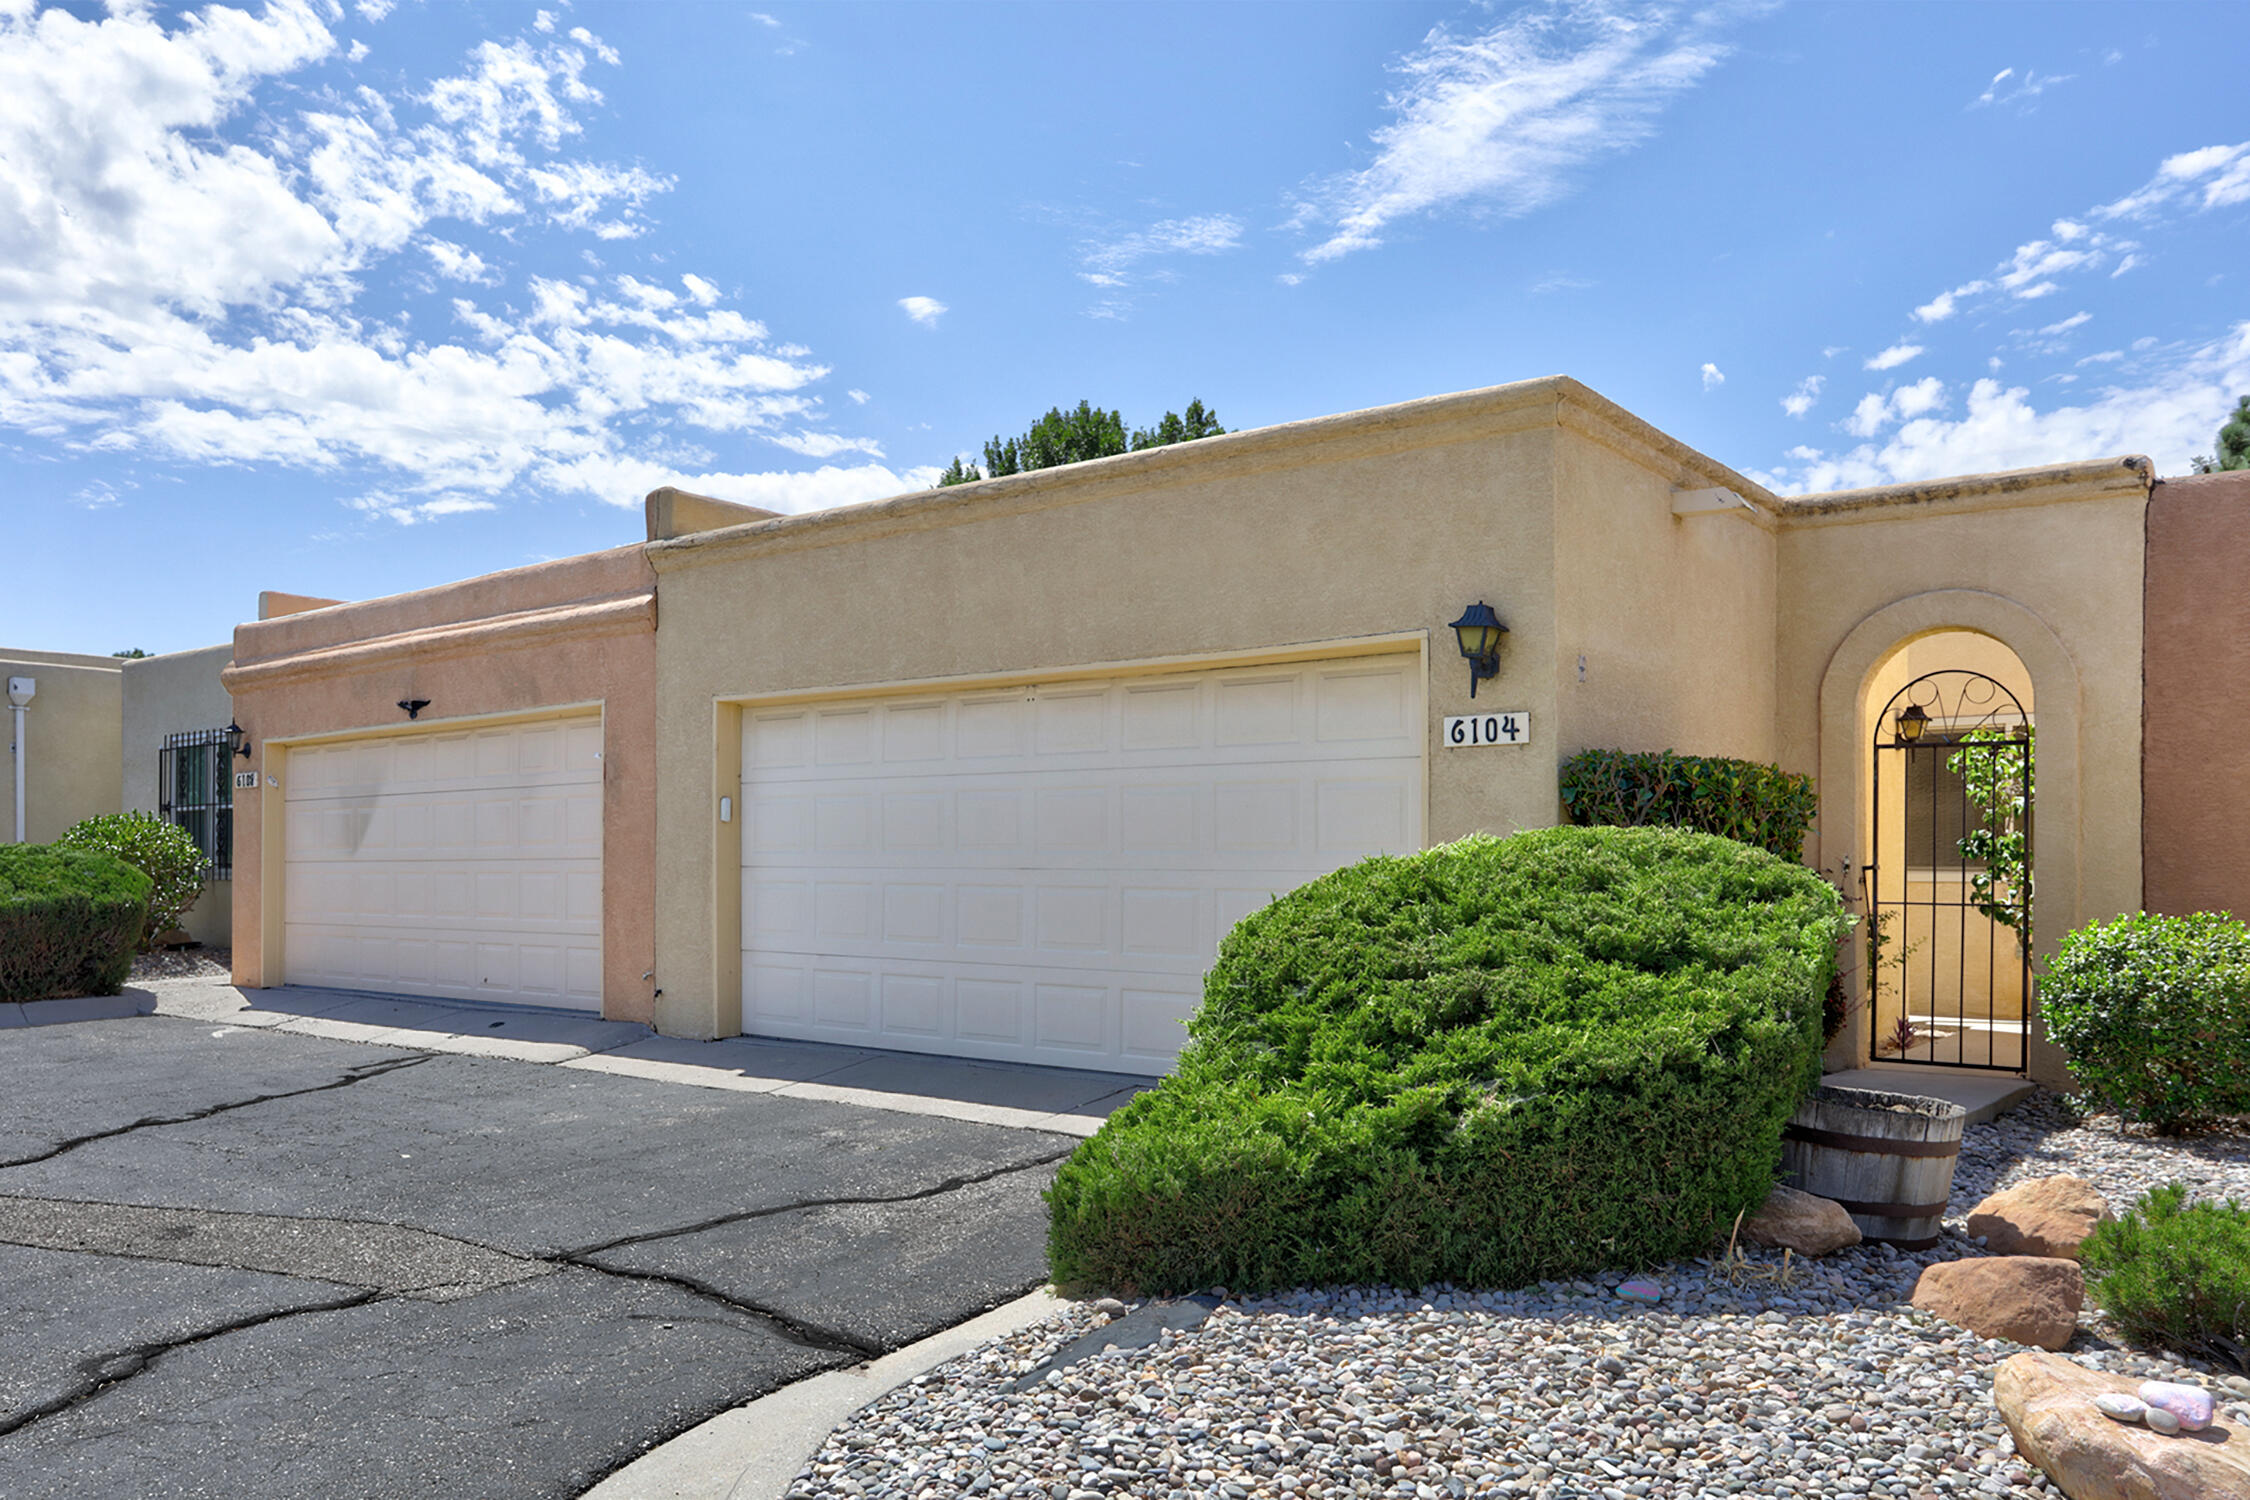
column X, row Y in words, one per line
column 1086, row 431
column 2234, row 443
column 1995, row 769
column 136, row 654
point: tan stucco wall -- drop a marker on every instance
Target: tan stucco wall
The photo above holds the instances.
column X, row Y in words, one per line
column 2195, row 829
column 1379, row 525
column 1672, row 615
column 2046, row 561
column 574, row 632
column 70, row 742
column 171, row 694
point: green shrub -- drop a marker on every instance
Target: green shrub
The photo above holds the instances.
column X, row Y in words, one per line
column 2176, row 1275
column 1487, row 1063
column 2153, row 1014
column 1763, row 806
column 69, row 921
column 162, row 851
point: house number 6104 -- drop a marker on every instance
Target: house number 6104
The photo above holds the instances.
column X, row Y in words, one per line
column 1489, row 729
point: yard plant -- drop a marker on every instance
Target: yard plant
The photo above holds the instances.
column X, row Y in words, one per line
column 1486, row 1063
column 1739, row 799
column 2153, row 1015
column 69, row 921
column 162, row 851
column 2176, row 1274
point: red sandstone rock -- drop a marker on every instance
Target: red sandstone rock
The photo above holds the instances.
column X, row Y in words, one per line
column 2047, row 1216
column 2027, row 1298
column 2048, row 1404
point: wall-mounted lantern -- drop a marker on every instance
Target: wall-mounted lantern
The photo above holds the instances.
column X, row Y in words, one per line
column 1912, row 720
column 1479, row 631
column 235, row 734
column 414, row 706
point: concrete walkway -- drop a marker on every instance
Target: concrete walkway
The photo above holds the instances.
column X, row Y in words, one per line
column 1984, row 1095
column 984, row 1093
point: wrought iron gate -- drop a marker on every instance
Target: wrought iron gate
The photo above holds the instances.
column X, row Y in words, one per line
column 1949, row 893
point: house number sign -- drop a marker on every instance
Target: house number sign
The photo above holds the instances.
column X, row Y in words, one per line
column 1507, row 728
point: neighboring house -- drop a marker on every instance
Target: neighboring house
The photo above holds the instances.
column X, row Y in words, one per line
column 989, row 770
column 105, row 734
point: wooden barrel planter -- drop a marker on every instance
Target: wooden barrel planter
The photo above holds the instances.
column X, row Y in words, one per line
column 1887, row 1158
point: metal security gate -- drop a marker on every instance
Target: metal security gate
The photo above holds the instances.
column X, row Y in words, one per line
column 1949, row 894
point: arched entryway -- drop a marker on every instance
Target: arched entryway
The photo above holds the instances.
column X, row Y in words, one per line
column 1946, row 893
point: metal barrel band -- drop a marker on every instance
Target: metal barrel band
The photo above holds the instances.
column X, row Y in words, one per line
column 1880, row 1145
column 1891, row 1210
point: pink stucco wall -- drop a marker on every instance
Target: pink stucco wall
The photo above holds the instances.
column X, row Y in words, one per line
column 577, row 630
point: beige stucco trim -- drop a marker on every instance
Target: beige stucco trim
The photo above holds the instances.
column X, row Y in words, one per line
column 2050, row 484
column 632, row 614
column 394, row 727
column 1344, row 647
column 2057, row 689
column 1523, row 406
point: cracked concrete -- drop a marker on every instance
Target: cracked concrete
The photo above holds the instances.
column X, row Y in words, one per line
column 250, row 1262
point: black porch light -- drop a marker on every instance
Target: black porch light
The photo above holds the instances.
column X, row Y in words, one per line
column 1479, row 631
column 1912, row 720
column 235, row 734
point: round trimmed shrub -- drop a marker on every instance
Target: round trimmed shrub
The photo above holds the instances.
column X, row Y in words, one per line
column 2153, row 1014
column 2176, row 1275
column 162, row 851
column 69, row 921
column 1487, row 1063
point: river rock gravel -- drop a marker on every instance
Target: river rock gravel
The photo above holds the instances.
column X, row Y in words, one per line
column 1830, row 1385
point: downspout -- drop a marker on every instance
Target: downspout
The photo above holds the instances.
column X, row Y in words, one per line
column 20, row 692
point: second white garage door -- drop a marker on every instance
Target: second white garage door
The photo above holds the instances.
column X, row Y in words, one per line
column 459, row 863
column 1043, row 874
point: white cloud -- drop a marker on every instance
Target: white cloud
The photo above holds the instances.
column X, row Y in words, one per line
column 374, row 10
column 859, row 397
column 2022, row 91
column 1878, row 409
column 1893, row 357
column 1941, row 307
column 923, row 310
column 764, row 20
column 2169, row 414
column 1560, row 282
column 456, row 263
column 2207, row 178
column 2075, row 320
column 824, row 444
column 188, row 236
column 1805, row 396
column 1713, row 378
column 543, row 21
column 1109, row 261
column 1506, row 118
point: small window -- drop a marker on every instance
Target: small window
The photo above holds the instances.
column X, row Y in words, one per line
column 195, row 790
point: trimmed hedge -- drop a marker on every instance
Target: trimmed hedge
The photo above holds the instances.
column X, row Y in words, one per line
column 2153, row 1014
column 162, row 851
column 2176, row 1275
column 69, row 921
column 1486, row 1063
column 1763, row 806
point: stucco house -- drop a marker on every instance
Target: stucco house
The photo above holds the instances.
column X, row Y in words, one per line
column 987, row 771
column 105, row 734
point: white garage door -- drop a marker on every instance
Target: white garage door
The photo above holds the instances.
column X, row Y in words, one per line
column 1043, row 874
column 457, row 863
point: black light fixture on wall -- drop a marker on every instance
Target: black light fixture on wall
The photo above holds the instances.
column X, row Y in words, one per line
column 414, row 706
column 1479, row 631
column 1912, row 720
column 236, row 734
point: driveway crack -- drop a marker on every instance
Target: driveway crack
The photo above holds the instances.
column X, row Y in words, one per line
column 351, row 1076
column 108, row 1370
column 949, row 1185
column 793, row 1329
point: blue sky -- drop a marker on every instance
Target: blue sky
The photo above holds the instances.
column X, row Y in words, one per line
column 351, row 299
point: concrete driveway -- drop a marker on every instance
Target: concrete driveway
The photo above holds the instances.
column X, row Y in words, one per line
column 239, row 1260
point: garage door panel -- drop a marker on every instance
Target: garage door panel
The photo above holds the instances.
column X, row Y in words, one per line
column 1044, row 873
column 456, row 864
